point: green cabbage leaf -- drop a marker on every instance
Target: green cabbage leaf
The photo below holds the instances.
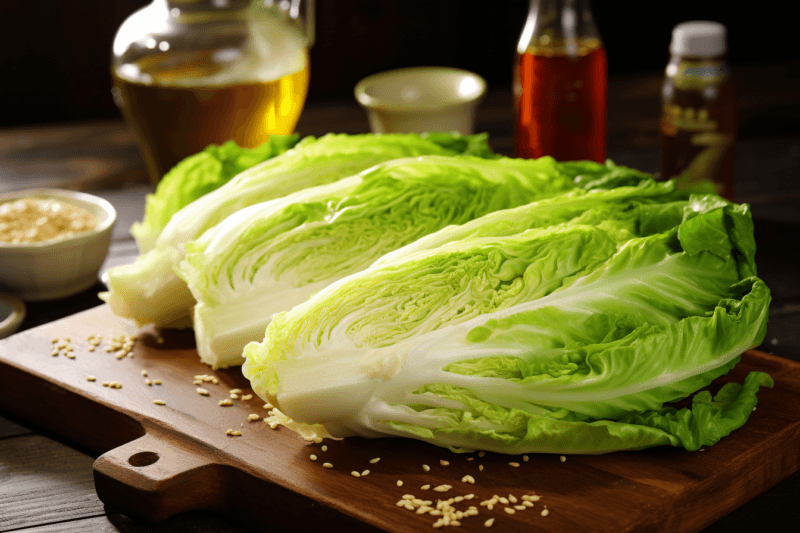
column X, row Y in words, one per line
column 573, row 335
column 198, row 175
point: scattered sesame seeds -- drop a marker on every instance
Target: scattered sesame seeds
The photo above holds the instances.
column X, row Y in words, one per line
column 269, row 406
column 234, row 396
column 312, row 457
column 527, row 504
column 480, row 467
column 509, row 510
column 106, row 383
column 148, row 383
column 355, row 474
column 470, row 458
column 399, row 482
column 468, row 479
column 144, row 373
column 235, row 391
column 201, row 391
column 91, row 378
column 247, row 397
column 442, row 488
column 225, row 403
column 159, row 402
column 426, row 468
column 489, row 522
column 365, row 473
column 425, row 487
column 512, row 498
column 515, row 465
column 562, row 458
column 481, row 453
column 520, row 507
column 327, row 465
column 253, row 417
column 236, row 433
column 525, row 458
column 374, row 460
column 545, row 512
column 70, row 355
column 443, row 462
column 156, row 382
column 503, row 500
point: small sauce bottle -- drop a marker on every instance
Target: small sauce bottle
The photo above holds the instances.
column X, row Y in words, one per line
column 698, row 121
column 560, row 83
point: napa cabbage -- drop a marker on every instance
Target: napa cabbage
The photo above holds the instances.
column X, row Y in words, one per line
column 567, row 325
column 149, row 291
column 272, row 256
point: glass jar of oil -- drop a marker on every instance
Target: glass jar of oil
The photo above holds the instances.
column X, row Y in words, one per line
column 190, row 73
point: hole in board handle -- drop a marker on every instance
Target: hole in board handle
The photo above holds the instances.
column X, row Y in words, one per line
column 143, row 458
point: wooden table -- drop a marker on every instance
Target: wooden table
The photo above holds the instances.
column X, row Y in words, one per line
column 46, row 483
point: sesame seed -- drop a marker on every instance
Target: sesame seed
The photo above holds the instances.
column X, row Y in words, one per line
column 480, row 467
column 515, row 465
column 247, row 397
column 312, row 457
column 443, row 462
column 481, row 453
column 525, row 458
column 374, row 460
column 225, row 403
column 442, row 488
column 470, row 458
column 235, row 391
column 327, row 465
column 106, row 383
column 144, row 373
column 234, row 396
column 426, row 468
column 356, row 474
column 159, row 402
column 512, row 498
column 526, row 503
column 156, row 382
column 54, row 353
column 562, row 458
column 425, row 487
column 324, row 448
column 502, row 500
column 407, row 497
column 545, row 512
column 468, row 479
column 399, row 483
column 202, row 392
column 70, row 356
column 519, row 507
column 253, row 417
column 269, row 406
column 234, row 433
column 365, row 473
column 509, row 510
column 229, row 432
column 148, row 383
column 54, row 341
column 91, row 378
column 489, row 522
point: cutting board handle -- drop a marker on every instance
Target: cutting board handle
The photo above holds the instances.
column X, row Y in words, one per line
column 155, row 477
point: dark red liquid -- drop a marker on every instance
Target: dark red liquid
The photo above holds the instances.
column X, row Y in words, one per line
column 561, row 104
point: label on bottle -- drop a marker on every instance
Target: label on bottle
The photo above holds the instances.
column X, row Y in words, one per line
column 693, row 75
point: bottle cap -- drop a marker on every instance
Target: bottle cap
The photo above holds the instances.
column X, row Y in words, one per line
column 699, row 39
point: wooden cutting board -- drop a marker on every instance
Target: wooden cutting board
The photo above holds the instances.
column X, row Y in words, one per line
column 162, row 460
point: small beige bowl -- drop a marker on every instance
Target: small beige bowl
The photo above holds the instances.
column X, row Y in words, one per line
column 50, row 270
column 421, row 99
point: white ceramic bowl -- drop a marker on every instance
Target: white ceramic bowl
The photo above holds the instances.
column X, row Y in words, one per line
column 49, row 270
column 421, row 99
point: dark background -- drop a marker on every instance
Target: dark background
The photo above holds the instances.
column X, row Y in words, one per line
column 54, row 54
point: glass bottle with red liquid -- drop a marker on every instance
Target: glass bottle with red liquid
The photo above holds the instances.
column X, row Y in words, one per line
column 560, row 83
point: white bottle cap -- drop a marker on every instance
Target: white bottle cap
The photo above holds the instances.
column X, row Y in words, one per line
column 699, row 39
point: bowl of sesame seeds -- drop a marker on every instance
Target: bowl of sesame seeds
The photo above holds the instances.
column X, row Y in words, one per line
column 53, row 242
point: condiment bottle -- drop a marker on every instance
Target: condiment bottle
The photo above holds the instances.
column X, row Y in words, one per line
column 698, row 121
column 189, row 73
column 560, row 83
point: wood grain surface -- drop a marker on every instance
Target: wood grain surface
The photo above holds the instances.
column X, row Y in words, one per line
column 162, row 460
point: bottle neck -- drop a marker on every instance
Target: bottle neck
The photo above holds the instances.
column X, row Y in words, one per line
column 566, row 24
